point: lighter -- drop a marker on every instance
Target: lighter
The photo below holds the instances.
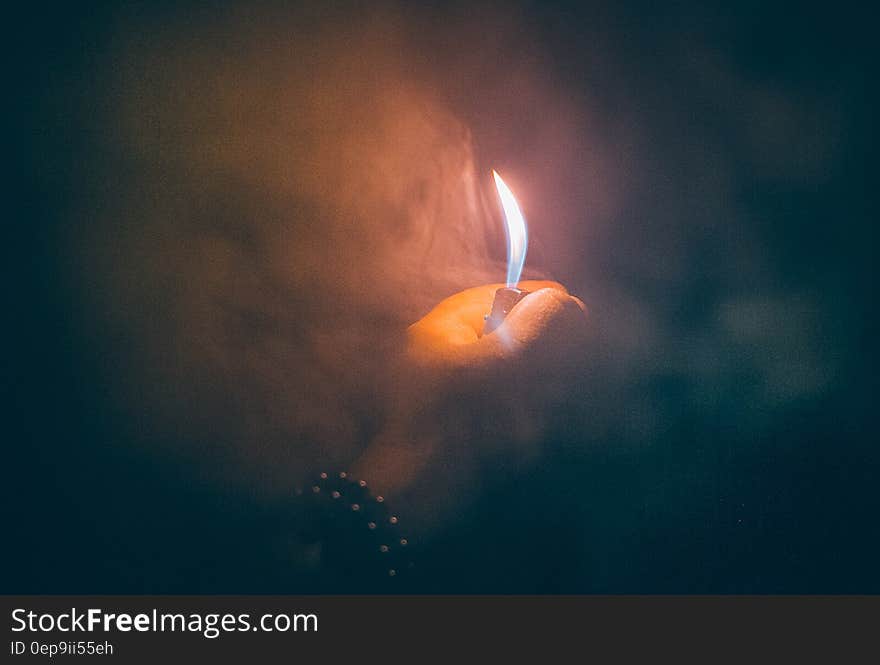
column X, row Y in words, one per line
column 506, row 299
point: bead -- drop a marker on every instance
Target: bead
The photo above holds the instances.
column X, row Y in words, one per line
column 380, row 499
column 362, row 483
column 343, row 474
column 404, row 542
column 392, row 572
column 383, row 548
column 393, row 519
column 323, row 475
column 335, row 494
column 316, row 489
column 355, row 507
column 371, row 525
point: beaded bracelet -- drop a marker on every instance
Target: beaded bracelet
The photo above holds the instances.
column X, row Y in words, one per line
column 360, row 536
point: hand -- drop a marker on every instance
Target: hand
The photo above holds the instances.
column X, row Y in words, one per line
column 451, row 333
column 465, row 401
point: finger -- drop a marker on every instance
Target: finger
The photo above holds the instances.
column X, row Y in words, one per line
column 456, row 319
column 547, row 316
column 465, row 312
column 538, row 284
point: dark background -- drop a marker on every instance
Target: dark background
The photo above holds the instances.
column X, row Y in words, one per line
column 703, row 174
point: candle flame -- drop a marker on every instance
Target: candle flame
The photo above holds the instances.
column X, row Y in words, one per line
column 517, row 233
